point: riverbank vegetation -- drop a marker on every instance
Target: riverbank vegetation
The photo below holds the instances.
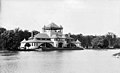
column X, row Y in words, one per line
column 10, row 39
column 108, row 41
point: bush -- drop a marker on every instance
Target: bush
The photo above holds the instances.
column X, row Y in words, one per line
column 116, row 46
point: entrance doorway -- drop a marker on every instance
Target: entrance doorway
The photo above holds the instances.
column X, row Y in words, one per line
column 48, row 45
column 60, row 45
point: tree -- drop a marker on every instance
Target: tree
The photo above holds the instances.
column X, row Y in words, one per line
column 88, row 40
column 111, row 37
column 10, row 39
column 7, row 38
column 2, row 30
column 117, row 43
column 27, row 34
column 35, row 32
column 97, row 42
column 85, row 40
column 105, row 43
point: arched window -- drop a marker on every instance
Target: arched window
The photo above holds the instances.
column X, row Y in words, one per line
column 48, row 45
column 60, row 45
column 71, row 45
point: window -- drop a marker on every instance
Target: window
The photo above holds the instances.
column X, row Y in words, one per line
column 32, row 44
column 55, row 39
column 36, row 44
column 47, row 39
column 43, row 38
column 38, row 38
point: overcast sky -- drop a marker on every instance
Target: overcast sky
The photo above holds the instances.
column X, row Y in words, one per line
column 76, row 16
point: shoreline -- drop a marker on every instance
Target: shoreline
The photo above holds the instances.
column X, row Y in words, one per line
column 55, row 49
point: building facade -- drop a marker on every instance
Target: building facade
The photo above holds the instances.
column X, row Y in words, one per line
column 52, row 36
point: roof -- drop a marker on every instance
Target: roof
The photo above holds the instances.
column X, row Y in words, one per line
column 52, row 26
column 41, row 35
column 30, row 38
column 67, row 37
column 24, row 40
column 36, row 41
column 77, row 41
column 55, row 36
column 63, row 36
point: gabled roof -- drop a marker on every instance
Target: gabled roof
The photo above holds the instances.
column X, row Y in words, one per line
column 37, row 41
column 24, row 40
column 77, row 41
column 67, row 37
column 41, row 35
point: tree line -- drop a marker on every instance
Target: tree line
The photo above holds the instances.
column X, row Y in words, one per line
column 110, row 40
column 10, row 39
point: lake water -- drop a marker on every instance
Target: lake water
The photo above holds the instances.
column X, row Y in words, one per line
column 79, row 61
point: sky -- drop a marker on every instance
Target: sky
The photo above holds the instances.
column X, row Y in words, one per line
column 89, row 17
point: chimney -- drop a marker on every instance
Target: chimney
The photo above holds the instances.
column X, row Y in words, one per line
column 69, row 34
column 32, row 34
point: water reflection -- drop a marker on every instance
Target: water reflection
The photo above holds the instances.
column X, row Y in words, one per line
column 7, row 61
column 8, row 53
column 8, row 67
column 87, row 61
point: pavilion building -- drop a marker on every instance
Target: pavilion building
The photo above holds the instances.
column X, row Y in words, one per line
column 52, row 36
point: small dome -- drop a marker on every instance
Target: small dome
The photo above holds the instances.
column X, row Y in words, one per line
column 52, row 26
column 41, row 35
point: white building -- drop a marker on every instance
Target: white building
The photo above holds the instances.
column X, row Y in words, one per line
column 52, row 36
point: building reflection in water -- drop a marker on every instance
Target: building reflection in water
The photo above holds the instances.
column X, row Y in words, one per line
column 60, row 62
